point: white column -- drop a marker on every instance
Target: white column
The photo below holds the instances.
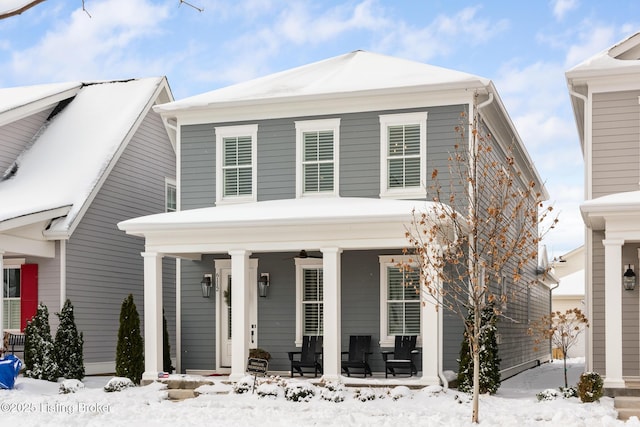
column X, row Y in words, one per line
column 2, row 300
column 239, row 313
column 431, row 342
column 613, row 312
column 152, row 315
column 332, row 324
column 63, row 272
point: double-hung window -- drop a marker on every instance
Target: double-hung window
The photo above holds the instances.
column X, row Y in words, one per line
column 399, row 300
column 170, row 191
column 309, row 298
column 403, row 154
column 317, row 143
column 236, row 163
column 11, row 291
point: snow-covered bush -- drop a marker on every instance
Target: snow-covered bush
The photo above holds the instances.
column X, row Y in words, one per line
column 243, row 385
column 333, row 392
column 434, row 390
column 118, row 384
column 590, row 387
column 365, row 394
column 400, row 392
column 39, row 353
column 569, row 392
column 548, row 394
column 70, row 386
column 299, row 391
column 268, row 389
column 68, row 345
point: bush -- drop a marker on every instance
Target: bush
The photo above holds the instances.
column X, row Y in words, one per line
column 130, row 349
column 166, row 347
column 118, row 384
column 70, row 386
column 39, row 352
column 259, row 353
column 68, row 345
column 243, row 385
column 299, row 392
column 590, row 387
column 333, row 392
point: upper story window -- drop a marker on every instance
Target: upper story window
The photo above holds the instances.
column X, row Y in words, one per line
column 236, row 163
column 317, row 143
column 403, row 154
column 171, row 195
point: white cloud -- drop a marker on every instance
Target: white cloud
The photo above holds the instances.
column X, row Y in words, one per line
column 591, row 40
column 95, row 47
column 561, row 7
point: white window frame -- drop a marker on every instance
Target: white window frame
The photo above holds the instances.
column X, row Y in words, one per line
column 301, row 265
column 170, row 183
column 311, row 126
column 385, row 262
column 386, row 121
column 11, row 263
column 231, row 132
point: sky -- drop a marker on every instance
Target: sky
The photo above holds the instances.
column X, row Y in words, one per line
column 524, row 47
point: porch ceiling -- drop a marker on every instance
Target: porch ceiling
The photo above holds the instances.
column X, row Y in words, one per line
column 279, row 225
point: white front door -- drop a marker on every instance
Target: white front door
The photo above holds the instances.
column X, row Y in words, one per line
column 224, row 295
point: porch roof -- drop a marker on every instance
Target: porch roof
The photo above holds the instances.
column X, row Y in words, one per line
column 280, row 225
column 595, row 211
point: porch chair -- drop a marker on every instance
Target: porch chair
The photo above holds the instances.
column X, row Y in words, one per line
column 308, row 357
column 358, row 355
column 402, row 356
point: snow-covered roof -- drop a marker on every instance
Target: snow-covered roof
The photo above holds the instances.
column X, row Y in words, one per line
column 14, row 97
column 623, row 57
column 69, row 155
column 311, row 210
column 356, row 71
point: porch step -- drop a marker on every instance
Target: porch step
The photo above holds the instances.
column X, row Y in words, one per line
column 179, row 394
column 627, row 406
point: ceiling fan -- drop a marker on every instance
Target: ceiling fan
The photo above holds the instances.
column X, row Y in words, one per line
column 305, row 254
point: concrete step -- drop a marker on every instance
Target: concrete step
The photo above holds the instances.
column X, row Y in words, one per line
column 627, row 406
column 178, row 394
column 625, row 414
column 185, row 384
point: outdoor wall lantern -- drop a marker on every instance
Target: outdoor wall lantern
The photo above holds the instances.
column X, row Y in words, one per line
column 206, row 285
column 263, row 284
column 629, row 278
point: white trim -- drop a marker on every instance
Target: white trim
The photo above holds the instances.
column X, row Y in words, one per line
column 229, row 132
column 385, row 262
column 178, row 331
column 14, row 262
column 387, row 120
column 301, row 264
column 317, row 125
column 63, row 272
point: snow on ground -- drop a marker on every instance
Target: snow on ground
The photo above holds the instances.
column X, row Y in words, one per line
column 34, row 402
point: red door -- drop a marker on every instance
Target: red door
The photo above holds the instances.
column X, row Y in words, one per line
column 28, row 293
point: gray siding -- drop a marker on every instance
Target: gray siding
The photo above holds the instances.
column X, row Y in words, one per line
column 616, row 151
column 15, row 136
column 104, row 264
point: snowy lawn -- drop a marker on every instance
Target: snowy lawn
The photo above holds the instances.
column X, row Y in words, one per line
column 35, row 402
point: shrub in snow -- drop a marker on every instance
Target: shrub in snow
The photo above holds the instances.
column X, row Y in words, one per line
column 365, row 394
column 489, row 360
column 434, row 390
column 243, row 385
column 299, row 391
column 68, row 345
column 400, row 392
column 118, row 384
column 39, row 352
column 268, row 389
column 548, row 394
column 332, row 391
column 130, row 350
column 590, row 387
column 569, row 392
column 70, row 386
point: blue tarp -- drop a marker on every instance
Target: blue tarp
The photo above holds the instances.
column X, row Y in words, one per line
column 9, row 369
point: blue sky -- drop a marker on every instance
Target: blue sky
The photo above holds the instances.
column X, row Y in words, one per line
column 523, row 46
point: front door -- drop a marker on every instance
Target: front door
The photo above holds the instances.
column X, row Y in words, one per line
column 223, row 307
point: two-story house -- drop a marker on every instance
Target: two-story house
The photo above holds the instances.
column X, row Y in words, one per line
column 77, row 158
column 605, row 95
column 306, row 180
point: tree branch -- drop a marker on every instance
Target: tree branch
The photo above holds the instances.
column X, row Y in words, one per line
column 18, row 11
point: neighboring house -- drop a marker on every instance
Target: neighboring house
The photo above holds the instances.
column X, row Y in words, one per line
column 569, row 294
column 78, row 158
column 605, row 94
column 308, row 178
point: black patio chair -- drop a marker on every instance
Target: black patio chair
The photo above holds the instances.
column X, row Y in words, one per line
column 402, row 357
column 308, row 357
column 358, row 355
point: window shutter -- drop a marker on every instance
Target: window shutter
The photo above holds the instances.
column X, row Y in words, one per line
column 318, row 161
column 403, row 302
column 28, row 293
column 312, row 302
column 237, row 166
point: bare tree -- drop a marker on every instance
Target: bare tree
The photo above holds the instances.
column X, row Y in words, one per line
column 480, row 235
column 563, row 329
column 28, row 4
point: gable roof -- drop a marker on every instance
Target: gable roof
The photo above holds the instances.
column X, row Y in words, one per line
column 68, row 159
column 621, row 58
column 357, row 71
